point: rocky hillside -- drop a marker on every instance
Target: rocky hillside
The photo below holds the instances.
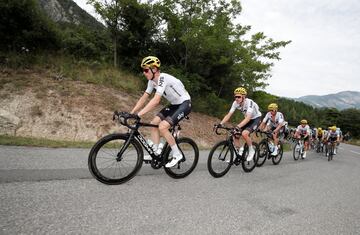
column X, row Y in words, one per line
column 341, row 100
column 67, row 11
column 39, row 104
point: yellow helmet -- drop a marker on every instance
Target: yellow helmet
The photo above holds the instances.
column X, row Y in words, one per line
column 240, row 91
column 150, row 61
column 333, row 128
column 273, row 106
column 303, row 121
column 319, row 129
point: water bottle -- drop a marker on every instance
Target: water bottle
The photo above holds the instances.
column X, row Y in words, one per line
column 150, row 143
column 160, row 147
column 271, row 147
column 241, row 150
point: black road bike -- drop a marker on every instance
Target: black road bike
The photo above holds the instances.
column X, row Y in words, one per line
column 266, row 148
column 223, row 155
column 330, row 149
column 116, row 158
column 299, row 149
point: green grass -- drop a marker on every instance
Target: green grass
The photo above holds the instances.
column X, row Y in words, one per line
column 353, row 142
column 40, row 142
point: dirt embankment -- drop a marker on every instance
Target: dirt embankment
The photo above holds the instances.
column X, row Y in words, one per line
column 39, row 104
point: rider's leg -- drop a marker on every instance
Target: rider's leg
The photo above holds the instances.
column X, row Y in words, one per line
column 276, row 142
column 246, row 135
column 155, row 134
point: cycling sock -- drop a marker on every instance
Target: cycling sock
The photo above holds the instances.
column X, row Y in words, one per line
column 175, row 149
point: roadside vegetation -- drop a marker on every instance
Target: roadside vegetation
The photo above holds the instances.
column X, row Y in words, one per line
column 196, row 41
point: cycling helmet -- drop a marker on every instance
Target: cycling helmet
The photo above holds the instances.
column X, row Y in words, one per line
column 273, row 106
column 150, row 61
column 240, row 91
column 319, row 129
column 333, row 128
column 303, row 121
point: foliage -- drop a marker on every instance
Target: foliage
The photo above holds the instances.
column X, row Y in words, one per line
column 24, row 28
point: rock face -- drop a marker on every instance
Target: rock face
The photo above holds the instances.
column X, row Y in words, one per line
column 9, row 123
column 67, row 11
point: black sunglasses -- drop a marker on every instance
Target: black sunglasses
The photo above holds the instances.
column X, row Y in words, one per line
column 237, row 97
column 146, row 70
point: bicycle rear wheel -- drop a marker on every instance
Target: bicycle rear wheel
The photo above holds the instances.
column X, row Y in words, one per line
column 190, row 151
column 220, row 159
column 276, row 159
column 109, row 168
column 248, row 166
column 263, row 152
column 296, row 152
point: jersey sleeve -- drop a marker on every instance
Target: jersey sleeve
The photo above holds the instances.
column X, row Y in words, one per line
column 233, row 107
column 149, row 88
column 266, row 118
column 281, row 119
column 160, row 89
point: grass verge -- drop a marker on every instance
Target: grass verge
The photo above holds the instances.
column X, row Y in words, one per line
column 40, row 142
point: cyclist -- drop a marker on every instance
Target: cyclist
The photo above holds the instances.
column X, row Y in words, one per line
column 180, row 105
column 251, row 121
column 332, row 137
column 274, row 121
column 303, row 130
column 320, row 136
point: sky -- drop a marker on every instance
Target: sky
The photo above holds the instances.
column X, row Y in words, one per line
column 324, row 55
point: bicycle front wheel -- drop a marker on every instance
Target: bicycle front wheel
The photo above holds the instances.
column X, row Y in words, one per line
column 263, row 153
column 296, row 152
column 276, row 159
column 107, row 166
column 248, row 166
column 190, row 151
column 220, row 159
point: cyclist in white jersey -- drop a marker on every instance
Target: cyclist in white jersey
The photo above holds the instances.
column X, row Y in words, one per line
column 251, row 121
column 303, row 130
column 274, row 121
column 180, row 105
column 333, row 136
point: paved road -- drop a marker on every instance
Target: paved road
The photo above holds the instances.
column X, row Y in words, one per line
column 49, row 191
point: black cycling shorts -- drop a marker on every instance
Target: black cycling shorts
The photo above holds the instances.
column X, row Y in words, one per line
column 252, row 125
column 175, row 112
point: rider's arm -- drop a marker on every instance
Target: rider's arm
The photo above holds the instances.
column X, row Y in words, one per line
column 140, row 102
column 152, row 104
column 244, row 121
column 226, row 118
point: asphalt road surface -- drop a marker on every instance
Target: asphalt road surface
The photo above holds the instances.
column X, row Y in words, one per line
column 50, row 191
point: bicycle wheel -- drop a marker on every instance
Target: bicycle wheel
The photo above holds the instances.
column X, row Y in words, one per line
column 190, row 151
column 220, row 159
column 296, row 152
column 263, row 152
column 331, row 152
column 248, row 166
column 276, row 159
column 109, row 168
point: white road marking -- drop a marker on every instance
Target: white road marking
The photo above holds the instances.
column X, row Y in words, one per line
column 354, row 152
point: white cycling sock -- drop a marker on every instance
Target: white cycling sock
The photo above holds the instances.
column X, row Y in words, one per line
column 175, row 149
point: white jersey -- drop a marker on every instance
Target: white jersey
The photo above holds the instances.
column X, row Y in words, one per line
column 303, row 130
column 278, row 120
column 249, row 107
column 170, row 87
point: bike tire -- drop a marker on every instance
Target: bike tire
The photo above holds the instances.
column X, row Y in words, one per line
column 105, row 151
column 296, row 154
column 249, row 166
column 277, row 159
column 185, row 166
column 220, row 159
column 263, row 153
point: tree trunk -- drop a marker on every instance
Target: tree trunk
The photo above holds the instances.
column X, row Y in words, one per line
column 115, row 51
